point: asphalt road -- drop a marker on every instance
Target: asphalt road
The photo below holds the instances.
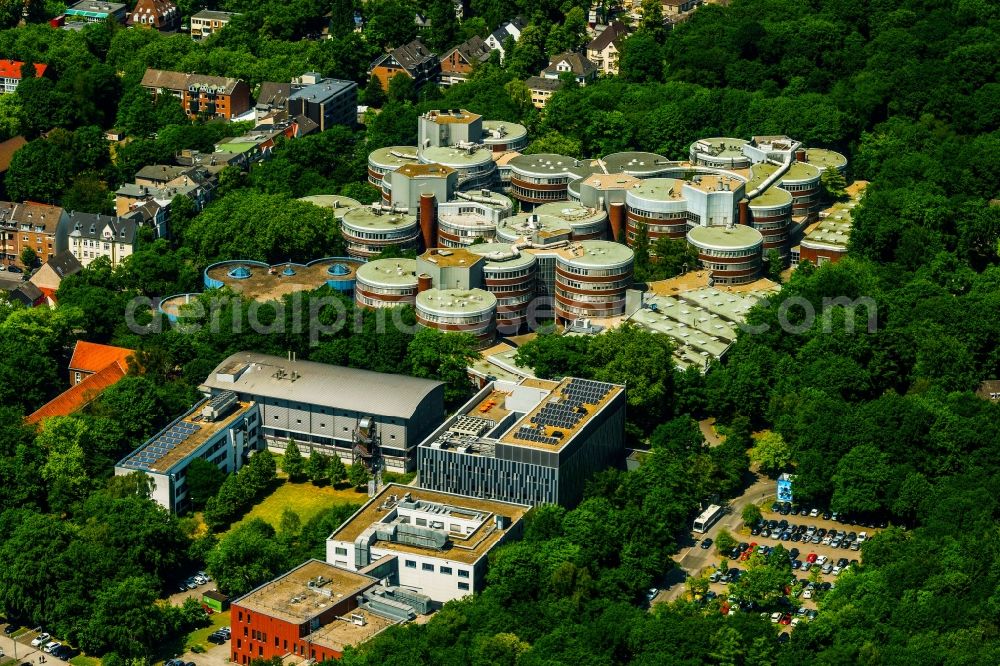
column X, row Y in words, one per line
column 692, row 558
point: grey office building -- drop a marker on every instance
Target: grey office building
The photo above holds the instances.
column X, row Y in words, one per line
column 326, row 102
column 530, row 442
column 322, row 406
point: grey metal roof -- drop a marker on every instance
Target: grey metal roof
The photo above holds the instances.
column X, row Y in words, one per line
column 361, row 391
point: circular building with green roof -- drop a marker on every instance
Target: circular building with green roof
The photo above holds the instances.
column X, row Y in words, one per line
column 733, row 254
column 471, row 311
column 591, row 279
column 386, row 283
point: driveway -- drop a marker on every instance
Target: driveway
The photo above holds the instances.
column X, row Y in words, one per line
column 178, row 598
column 24, row 651
column 692, row 558
column 217, row 655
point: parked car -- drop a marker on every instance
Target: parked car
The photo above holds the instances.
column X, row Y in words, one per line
column 821, row 560
column 835, row 517
column 775, row 617
column 786, row 619
column 14, row 269
column 826, row 515
column 40, row 640
column 706, row 544
column 754, row 531
column 813, row 512
column 812, row 614
column 808, row 594
column 775, row 506
column 793, row 553
column 9, row 629
column 827, row 568
column 796, row 565
column 651, row 593
column 862, row 537
column 806, row 566
column 714, row 578
column 50, row 646
column 216, row 639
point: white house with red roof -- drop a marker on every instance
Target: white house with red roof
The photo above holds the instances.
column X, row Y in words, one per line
column 10, row 74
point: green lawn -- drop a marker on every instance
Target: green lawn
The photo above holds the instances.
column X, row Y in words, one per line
column 200, row 637
column 83, row 660
column 305, row 499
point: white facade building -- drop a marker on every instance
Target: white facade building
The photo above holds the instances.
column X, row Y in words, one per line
column 440, row 542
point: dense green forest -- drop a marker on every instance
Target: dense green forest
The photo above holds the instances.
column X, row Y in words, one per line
column 881, row 422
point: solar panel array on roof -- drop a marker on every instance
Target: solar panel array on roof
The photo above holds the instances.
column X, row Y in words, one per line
column 558, row 415
column 529, row 434
column 161, row 445
column 584, row 391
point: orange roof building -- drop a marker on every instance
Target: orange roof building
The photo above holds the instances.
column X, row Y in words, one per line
column 90, row 358
column 81, row 394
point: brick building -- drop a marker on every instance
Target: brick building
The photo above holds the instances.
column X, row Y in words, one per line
column 312, row 612
column 200, row 94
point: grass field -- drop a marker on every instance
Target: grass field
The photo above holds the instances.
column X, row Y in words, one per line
column 82, row 660
column 305, row 499
column 200, row 637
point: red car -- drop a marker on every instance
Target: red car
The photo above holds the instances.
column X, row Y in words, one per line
column 811, row 558
column 785, row 619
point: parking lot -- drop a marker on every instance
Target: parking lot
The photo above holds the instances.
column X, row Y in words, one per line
column 17, row 648
column 813, row 579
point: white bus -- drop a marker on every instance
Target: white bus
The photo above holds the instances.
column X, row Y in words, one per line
column 707, row 518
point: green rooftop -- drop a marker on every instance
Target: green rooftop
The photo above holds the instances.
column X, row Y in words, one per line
column 512, row 131
column 823, row 158
column 596, row 253
column 393, row 157
column 725, row 238
column 339, row 204
column 724, row 146
column 390, row 272
column 570, row 211
column 455, row 157
column 498, row 255
column 772, row 196
column 364, row 217
column 636, row 163
column 456, row 301
column 759, row 173
column 801, row 171
column 658, row 189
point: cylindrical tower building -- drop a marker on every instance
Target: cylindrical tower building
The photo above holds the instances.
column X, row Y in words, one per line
column 386, row 283
column 719, row 152
column 510, row 276
column 733, row 254
column 369, row 230
column 660, row 205
column 771, row 215
column 591, row 278
column 585, row 223
column 384, row 160
column 470, row 311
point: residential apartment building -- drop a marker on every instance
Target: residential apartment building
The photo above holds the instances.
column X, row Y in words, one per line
column 161, row 15
column 413, row 60
column 312, row 612
column 436, row 543
column 676, row 8
column 223, row 430
column 530, row 442
column 40, row 227
column 604, row 49
column 207, row 22
column 96, row 11
column 323, row 406
column 576, row 64
column 457, row 63
column 10, row 74
column 326, row 102
column 51, row 274
column 92, row 236
column 541, row 89
column 201, row 95
column 509, row 30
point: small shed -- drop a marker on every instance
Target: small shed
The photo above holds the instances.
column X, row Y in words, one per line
column 215, row 600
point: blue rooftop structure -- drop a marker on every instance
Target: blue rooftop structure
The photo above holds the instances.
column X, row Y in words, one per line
column 240, row 273
column 289, row 271
column 338, row 269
